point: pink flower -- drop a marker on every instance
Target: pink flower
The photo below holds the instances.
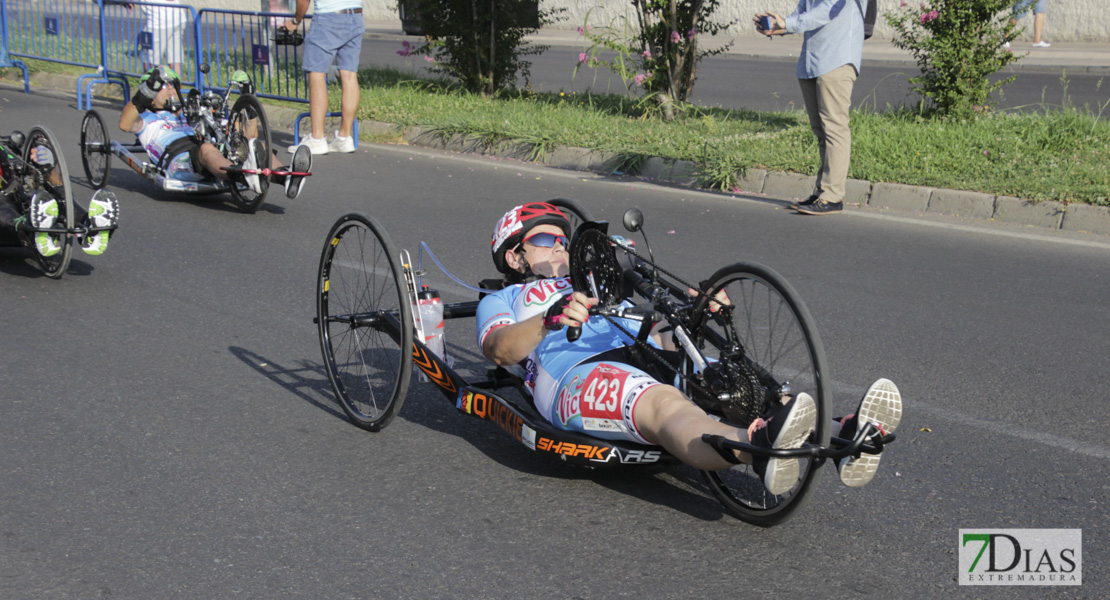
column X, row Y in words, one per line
column 639, row 78
column 581, row 31
column 902, row 4
column 429, row 59
column 582, row 57
column 675, row 37
column 647, row 53
column 929, row 16
column 404, row 52
column 690, row 34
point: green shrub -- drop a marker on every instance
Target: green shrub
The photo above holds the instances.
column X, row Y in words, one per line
column 659, row 52
column 957, row 45
column 479, row 42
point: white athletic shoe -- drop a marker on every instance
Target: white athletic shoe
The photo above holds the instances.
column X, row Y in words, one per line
column 43, row 213
column 882, row 406
column 1042, row 44
column 317, row 146
column 787, row 429
column 338, row 143
column 254, row 147
column 103, row 212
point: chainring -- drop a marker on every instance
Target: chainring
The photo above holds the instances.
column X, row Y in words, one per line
column 594, row 270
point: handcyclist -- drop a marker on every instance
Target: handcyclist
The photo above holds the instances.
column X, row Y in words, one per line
column 154, row 114
column 578, row 386
column 42, row 210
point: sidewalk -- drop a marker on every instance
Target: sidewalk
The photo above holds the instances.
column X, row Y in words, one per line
column 1075, row 57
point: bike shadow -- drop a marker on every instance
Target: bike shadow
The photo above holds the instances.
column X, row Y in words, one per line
column 678, row 488
column 20, row 261
column 307, row 381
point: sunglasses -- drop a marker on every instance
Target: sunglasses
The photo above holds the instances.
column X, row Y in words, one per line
column 546, row 240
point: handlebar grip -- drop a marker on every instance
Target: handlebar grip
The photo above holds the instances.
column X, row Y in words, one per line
column 573, row 333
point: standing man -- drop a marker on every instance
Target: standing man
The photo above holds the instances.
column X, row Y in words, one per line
column 336, row 33
column 828, row 65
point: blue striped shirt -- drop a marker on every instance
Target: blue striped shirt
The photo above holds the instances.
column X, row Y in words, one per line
column 833, row 35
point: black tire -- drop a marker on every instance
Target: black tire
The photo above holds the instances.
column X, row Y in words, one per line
column 576, row 213
column 369, row 362
column 245, row 110
column 52, row 175
column 96, row 153
column 777, row 332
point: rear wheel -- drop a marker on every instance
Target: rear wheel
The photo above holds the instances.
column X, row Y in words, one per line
column 247, row 121
column 45, row 170
column 365, row 321
column 96, row 155
column 768, row 329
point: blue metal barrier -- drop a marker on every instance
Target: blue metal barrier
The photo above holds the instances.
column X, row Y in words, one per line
column 120, row 39
column 5, row 61
column 62, row 31
column 230, row 40
column 141, row 35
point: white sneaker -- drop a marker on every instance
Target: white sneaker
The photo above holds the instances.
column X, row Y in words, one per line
column 338, row 143
column 1041, row 44
column 251, row 163
column 43, row 213
column 881, row 406
column 103, row 212
column 317, row 146
column 787, row 429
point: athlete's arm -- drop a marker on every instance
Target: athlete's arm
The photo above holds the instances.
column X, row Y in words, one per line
column 511, row 344
column 129, row 119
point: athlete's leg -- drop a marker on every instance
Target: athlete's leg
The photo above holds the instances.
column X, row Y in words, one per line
column 212, row 161
column 665, row 417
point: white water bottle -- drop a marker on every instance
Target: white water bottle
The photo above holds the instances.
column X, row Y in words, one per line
column 431, row 319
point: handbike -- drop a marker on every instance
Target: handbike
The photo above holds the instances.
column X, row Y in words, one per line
column 743, row 334
column 226, row 128
column 34, row 164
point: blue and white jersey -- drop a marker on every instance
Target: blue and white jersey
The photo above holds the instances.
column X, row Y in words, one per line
column 160, row 129
column 543, row 369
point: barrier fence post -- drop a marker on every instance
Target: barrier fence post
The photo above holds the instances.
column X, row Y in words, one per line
column 5, row 60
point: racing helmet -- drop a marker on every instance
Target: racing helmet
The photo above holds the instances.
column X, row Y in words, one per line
column 160, row 75
column 515, row 224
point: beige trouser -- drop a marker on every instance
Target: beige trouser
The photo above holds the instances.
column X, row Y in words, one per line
column 827, row 100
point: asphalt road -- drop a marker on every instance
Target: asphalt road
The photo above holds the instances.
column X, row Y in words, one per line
column 167, row 430
column 764, row 84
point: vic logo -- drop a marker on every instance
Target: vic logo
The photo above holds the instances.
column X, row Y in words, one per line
column 542, row 291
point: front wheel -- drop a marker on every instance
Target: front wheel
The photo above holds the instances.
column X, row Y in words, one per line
column 248, row 121
column 767, row 329
column 96, row 154
column 365, row 321
column 45, row 169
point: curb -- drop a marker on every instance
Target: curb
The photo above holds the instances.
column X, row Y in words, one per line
column 777, row 187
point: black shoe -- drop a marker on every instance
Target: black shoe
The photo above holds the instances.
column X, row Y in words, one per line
column 821, row 207
column 301, row 163
column 807, row 202
column 787, row 429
